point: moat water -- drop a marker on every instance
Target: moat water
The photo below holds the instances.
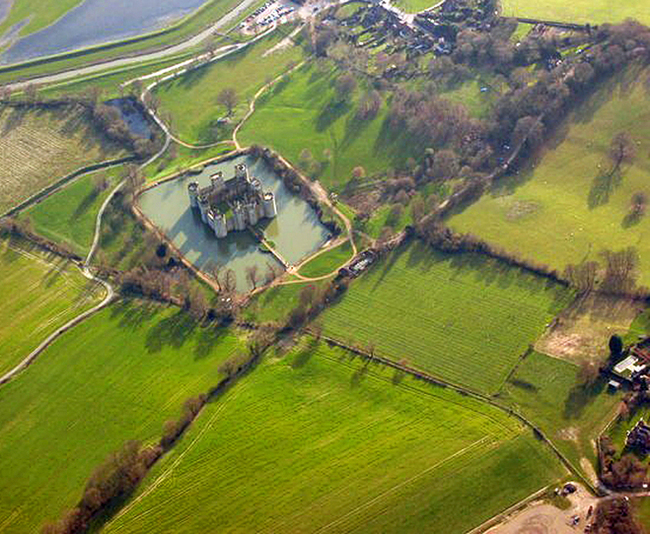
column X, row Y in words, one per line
column 296, row 231
column 99, row 21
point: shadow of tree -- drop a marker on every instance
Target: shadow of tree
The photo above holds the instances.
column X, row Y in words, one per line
column 602, row 187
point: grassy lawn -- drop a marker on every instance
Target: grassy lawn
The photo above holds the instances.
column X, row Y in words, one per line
column 459, row 317
column 315, row 441
column 303, row 113
column 328, row 261
column 568, row 208
column 181, row 158
column 274, row 304
column 548, row 391
column 117, row 376
column 578, row 11
column 37, row 148
column 69, row 215
column 191, row 100
column 414, row 6
column 39, row 293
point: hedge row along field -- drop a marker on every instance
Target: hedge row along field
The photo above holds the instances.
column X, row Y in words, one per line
column 462, row 318
column 317, row 441
column 39, row 147
column 38, row 293
column 115, row 377
column 570, row 206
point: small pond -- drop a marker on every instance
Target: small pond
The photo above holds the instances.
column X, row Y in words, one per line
column 296, row 231
column 133, row 116
column 99, row 21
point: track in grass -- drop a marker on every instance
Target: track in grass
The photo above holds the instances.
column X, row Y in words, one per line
column 463, row 318
column 117, row 376
column 316, row 441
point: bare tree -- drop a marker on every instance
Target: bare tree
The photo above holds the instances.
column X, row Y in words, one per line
column 621, row 150
column 345, row 86
column 229, row 281
column 252, row 275
column 582, row 276
column 228, row 99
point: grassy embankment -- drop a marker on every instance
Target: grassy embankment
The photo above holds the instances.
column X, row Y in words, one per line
column 328, row 261
column 579, row 11
column 37, row 148
column 69, row 215
column 462, row 318
column 191, row 100
column 317, row 441
column 303, row 112
column 570, row 207
column 39, row 293
column 550, row 392
column 118, row 376
column 183, row 30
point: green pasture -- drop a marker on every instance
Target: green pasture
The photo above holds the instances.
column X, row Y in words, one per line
column 302, row 112
column 328, row 262
column 190, row 100
column 569, row 206
column 69, row 215
column 414, row 6
column 38, row 293
column 274, row 304
column 117, row 376
column 462, row 318
column 179, row 158
column 317, row 441
column 550, row 393
column 577, row 11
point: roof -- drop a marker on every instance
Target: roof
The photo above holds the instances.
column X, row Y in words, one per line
column 628, row 366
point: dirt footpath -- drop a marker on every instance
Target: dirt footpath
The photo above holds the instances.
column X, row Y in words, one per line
column 544, row 518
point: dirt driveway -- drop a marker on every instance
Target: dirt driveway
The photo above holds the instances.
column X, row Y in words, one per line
column 544, row 518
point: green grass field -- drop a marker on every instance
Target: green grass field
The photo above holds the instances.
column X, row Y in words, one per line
column 461, row 318
column 548, row 391
column 328, row 261
column 37, row 148
column 414, row 6
column 310, row 118
column 567, row 209
column 69, row 215
column 39, row 293
column 180, row 158
column 115, row 377
column 315, row 441
column 191, row 100
column 578, row 11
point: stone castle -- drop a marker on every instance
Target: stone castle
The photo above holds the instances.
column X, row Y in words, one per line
column 234, row 204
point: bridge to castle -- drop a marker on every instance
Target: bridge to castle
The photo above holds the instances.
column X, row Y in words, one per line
column 275, row 253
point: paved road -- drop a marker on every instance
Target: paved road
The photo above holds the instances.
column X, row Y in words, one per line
column 135, row 60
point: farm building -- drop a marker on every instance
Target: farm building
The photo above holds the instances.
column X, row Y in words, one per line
column 639, row 437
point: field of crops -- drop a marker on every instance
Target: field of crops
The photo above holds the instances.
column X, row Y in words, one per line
column 314, row 441
column 462, row 318
column 313, row 120
column 577, row 11
column 191, row 100
column 38, row 294
column 69, row 215
column 37, row 148
column 569, row 207
column 117, row 376
column 550, row 393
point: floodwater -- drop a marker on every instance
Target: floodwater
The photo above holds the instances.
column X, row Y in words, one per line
column 98, row 21
column 296, row 231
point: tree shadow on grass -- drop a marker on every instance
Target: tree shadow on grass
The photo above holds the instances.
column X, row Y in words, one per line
column 602, row 187
column 133, row 314
column 172, row 331
column 207, row 339
column 85, row 204
column 631, row 219
column 580, row 396
column 330, row 113
column 359, row 374
column 305, row 354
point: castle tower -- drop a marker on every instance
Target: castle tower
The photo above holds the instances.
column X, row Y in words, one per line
column 220, row 225
column 204, row 206
column 270, row 208
column 251, row 209
column 217, row 181
column 210, row 216
column 193, row 191
column 241, row 172
column 239, row 213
